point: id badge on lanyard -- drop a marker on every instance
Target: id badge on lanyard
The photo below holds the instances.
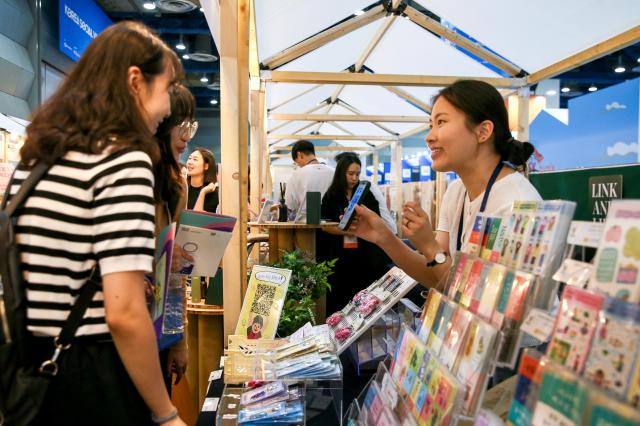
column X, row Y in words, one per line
column 349, row 242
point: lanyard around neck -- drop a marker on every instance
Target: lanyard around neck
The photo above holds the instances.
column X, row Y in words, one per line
column 483, row 206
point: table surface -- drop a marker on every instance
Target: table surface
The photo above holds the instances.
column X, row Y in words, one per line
column 291, row 225
column 203, row 309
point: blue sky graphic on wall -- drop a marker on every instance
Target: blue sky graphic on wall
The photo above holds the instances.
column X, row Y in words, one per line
column 603, row 129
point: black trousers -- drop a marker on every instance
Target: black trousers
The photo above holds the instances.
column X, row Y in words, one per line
column 91, row 387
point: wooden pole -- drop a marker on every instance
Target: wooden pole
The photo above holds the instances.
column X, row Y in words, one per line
column 292, row 98
column 351, row 118
column 410, row 98
column 256, row 150
column 376, row 163
column 523, row 114
column 324, row 37
column 234, row 90
column 332, row 137
column 331, row 148
column 396, row 161
column 441, row 187
column 594, row 52
column 414, row 131
column 304, row 77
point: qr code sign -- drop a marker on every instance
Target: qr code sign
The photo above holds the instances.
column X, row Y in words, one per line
column 263, row 300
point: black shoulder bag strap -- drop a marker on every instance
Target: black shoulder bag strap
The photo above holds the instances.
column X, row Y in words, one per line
column 71, row 325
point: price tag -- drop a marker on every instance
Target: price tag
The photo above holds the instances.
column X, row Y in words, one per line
column 210, row 404
column 538, row 324
column 215, row 375
column 574, row 273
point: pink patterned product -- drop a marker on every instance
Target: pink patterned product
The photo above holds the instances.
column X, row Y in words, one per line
column 357, row 299
column 343, row 333
column 368, row 305
column 334, row 319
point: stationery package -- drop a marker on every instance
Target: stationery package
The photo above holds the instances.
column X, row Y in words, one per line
column 615, row 344
column 617, row 260
column 527, row 388
column 574, row 328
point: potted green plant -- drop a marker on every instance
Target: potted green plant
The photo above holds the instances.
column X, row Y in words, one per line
column 308, row 283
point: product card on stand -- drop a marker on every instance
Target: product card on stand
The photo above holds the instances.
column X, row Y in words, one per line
column 538, row 324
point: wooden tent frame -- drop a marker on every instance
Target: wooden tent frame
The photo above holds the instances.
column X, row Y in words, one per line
column 239, row 61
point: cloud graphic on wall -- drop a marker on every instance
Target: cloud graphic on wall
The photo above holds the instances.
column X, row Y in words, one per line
column 621, row 148
column 615, row 105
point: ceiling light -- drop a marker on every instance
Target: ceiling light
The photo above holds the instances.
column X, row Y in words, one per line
column 593, row 88
column 204, row 78
column 619, row 69
column 180, row 45
column 638, row 59
column 185, row 56
column 358, row 12
column 149, row 5
column 565, row 90
column 551, row 93
column 214, row 102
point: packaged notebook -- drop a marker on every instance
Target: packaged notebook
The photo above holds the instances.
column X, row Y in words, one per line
column 562, row 399
column 455, row 337
column 604, row 410
column 430, row 309
column 515, row 239
column 490, row 235
column 513, row 315
column 615, row 344
column 443, row 397
column 475, row 239
column 408, row 359
column 454, row 281
column 472, row 282
column 574, row 327
column 497, row 317
column 473, row 363
column 492, row 286
column 527, row 388
column 499, row 247
column 617, row 260
column 440, row 326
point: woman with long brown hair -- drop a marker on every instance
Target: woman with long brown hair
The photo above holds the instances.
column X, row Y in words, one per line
column 202, row 176
column 94, row 208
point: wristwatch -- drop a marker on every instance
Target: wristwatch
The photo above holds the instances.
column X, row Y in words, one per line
column 439, row 259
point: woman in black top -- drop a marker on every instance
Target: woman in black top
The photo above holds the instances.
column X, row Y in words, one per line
column 363, row 262
column 202, row 176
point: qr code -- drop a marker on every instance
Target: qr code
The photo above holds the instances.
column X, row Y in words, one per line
column 263, row 300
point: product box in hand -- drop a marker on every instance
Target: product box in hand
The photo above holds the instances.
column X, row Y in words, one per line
column 615, row 345
column 617, row 261
column 205, row 237
column 574, row 328
column 263, row 302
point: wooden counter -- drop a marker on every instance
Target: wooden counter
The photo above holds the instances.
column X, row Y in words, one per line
column 205, row 337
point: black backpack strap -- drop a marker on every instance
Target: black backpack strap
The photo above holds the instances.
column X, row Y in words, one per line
column 74, row 319
column 38, row 171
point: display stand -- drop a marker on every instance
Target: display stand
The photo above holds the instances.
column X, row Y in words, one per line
column 388, row 290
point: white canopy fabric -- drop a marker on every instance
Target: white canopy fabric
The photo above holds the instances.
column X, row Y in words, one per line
column 536, row 34
column 529, row 35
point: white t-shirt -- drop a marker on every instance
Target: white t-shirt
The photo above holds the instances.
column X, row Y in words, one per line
column 505, row 191
column 310, row 178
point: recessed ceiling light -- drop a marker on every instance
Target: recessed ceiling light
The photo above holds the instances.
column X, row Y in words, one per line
column 565, row 90
column 619, row 69
column 204, row 79
column 358, row 12
column 214, row 102
column 638, row 59
column 593, row 88
column 551, row 93
column 181, row 46
column 149, row 5
column 185, row 56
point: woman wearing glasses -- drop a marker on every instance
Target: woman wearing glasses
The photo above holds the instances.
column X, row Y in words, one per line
column 202, row 177
column 174, row 133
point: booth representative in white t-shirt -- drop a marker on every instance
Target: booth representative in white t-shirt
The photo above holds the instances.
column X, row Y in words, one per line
column 470, row 136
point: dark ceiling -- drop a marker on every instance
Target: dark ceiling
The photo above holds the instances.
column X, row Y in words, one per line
column 191, row 27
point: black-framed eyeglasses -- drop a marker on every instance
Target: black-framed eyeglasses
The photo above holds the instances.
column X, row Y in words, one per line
column 188, row 128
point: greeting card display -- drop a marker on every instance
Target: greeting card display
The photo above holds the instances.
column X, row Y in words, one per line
column 455, row 337
column 429, row 313
column 617, row 260
column 574, row 328
column 615, row 344
column 513, row 315
column 263, row 302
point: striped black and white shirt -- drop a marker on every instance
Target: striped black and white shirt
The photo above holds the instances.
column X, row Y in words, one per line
column 86, row 209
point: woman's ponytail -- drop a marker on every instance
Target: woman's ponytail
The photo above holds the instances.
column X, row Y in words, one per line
column 515, row 152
